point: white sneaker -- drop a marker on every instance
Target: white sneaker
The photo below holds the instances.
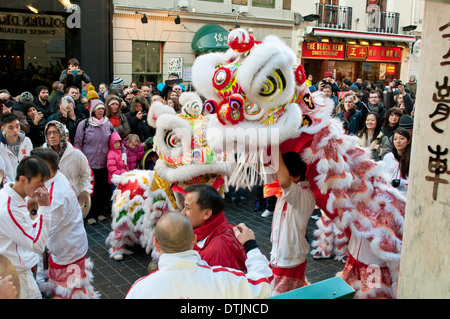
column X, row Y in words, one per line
column 101, row 218
column 91, row 221
column 118, row 257
column 266, row 213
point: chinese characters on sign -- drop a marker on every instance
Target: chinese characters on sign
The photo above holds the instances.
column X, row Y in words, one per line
column 437, row 163
column 446, row 56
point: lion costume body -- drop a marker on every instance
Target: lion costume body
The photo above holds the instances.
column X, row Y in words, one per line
column 260, row 103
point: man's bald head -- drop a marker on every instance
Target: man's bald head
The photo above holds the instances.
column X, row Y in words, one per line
column 174, row 233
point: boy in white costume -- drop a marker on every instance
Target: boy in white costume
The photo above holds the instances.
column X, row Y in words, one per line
column 182, row 274
column 69, row 272
column 21, row 238
column 295, row 205
column 14, row 145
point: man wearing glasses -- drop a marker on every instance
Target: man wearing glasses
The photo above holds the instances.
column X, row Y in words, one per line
column 375, row 104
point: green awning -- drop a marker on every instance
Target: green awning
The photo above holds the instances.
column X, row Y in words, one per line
column 210, row 38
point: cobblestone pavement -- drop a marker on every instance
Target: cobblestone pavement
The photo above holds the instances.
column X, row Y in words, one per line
column 114, row 278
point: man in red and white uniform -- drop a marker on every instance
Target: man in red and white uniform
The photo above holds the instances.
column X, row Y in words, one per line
column 182, row 274
column 21, row 237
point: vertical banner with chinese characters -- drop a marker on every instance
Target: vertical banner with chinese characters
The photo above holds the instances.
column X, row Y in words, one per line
column 424, row 267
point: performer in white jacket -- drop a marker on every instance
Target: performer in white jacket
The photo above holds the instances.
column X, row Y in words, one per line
column 69, row 271
column 21, row 238
column 14, row 145
column 182, row 274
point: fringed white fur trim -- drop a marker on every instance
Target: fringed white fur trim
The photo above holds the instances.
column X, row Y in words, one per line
column 156, row 110
column 87, row 290
column 253, row 135
column 189, row 171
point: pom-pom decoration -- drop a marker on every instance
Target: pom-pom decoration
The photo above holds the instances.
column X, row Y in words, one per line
column 300, row 75
column 211, row 106
column 240, row 40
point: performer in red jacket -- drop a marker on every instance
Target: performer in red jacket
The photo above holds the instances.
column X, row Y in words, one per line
column 216, row 243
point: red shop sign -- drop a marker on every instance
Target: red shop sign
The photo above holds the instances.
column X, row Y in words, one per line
column 377, row 53
column 356, row 52
column 323, row 50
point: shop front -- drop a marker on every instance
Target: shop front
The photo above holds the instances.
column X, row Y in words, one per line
column 352, row 61
column 37, row 38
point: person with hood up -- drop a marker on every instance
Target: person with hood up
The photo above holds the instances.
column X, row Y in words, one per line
column 92, row 138
column 114, row 161
column 115, row 116
column 412, row 84
column 73, row 164
column 137, row 118
column 36, row 121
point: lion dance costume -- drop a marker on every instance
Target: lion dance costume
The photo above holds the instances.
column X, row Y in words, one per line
column 258, row 100
column 142, row 196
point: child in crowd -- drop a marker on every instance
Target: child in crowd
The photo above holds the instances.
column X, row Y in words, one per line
column 102, row 88
column 135, row 151
column 114, row 162
column 73, row 75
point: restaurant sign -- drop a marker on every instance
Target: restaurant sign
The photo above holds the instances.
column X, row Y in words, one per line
column 339, row 51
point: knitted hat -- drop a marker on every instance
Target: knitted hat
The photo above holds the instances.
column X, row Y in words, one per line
column 26, row 106
column 117, row 82
column 111, row 98
column 91, row 93
column 26, row 97
column 328, row 74
column 354, row 88
column 68, row 98
column 406, row 122
column 96, row 104
column 40, row 88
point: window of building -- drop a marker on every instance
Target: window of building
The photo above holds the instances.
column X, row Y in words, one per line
column 240, row 2
column 264, row 3
column 146, row 62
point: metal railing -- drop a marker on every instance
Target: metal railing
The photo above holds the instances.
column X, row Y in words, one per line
column 332, row 16
column 384, row 22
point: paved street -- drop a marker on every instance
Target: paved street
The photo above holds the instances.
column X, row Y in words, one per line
column 114, row 278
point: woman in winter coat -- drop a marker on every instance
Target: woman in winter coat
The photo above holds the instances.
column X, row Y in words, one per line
column 73, row 164
column 371, row 135
column 92, row 138
column 115, row 116
column 137, row 118
column 351, row 114
column 398, row 160
column 391, row 121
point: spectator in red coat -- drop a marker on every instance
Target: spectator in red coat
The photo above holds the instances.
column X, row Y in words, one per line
column 216, row 243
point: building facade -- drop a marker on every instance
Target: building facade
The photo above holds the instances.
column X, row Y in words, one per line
column 156, row 38
column 38, row 37
column 368, row 39
column 144, row 41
